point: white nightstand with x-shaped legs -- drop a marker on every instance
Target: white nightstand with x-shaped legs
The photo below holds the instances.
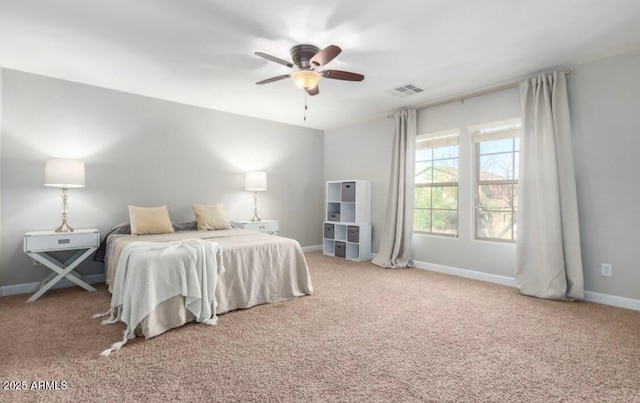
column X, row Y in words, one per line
column 39, row 245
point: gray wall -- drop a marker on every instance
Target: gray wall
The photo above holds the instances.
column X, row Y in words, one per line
column 361, row 151
column 604, row 105
column 146, row 152
column 604, row 98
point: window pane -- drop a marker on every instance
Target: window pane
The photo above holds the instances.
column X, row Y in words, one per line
column 495, row 197
column 445, row 222
column 422, row 220
column 445, row 170
column 482, row 224
column 496, row 167
column 423, row 197
column 494, row 224
column 445, row 197
column 445, row 152
column 423, row 172
column 438, row 164
column 496, row 146
column 423, row 154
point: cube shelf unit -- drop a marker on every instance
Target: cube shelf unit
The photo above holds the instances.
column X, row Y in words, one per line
column 349, row 241
column 347, row 229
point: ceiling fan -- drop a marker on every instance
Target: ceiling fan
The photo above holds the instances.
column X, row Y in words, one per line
column 307, row 59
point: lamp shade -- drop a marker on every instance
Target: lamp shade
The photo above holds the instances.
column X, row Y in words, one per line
column 255, row 181
column 64, row 173
column 305, row 79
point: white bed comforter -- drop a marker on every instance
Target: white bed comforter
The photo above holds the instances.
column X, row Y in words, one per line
column 259, row 268
column 149, row 273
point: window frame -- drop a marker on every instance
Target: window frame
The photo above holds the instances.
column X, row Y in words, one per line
column 506, row 129
column 438, row 139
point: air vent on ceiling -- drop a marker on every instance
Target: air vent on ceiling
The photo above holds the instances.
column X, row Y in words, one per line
column 406, row 90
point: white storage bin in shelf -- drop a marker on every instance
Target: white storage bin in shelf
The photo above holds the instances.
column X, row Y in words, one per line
column 328, row 247
column 333, row 191
column 340, row 232
column 353, row 251
column 347, row 212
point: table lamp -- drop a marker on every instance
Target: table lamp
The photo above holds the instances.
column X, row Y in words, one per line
column 255, row 182
column 64, row 174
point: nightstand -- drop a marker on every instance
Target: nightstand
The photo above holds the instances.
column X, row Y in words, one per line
column 39, row 244
column 268, row 226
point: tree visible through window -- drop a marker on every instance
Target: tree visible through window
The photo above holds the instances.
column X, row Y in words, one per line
column 497, row 148
column 436, row 188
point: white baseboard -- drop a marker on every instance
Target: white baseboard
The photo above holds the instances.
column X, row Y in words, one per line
column 313, row 248
column 605, row 299
column 30, row 288
column 475, row 275
column 613, row 300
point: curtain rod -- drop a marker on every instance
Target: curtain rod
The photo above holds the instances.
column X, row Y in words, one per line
column 474, row 93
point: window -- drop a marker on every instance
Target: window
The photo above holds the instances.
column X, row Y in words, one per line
column 497, row 150
column 436, row 191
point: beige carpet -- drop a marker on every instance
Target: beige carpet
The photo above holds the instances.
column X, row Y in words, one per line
column 367, row 334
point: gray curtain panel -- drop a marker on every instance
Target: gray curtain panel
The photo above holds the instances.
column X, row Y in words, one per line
column 548, row 259
column 397, row 231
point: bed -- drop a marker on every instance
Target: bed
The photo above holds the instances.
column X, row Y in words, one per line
column 259, row 269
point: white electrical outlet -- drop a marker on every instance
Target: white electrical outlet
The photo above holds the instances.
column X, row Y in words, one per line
column 606, row 270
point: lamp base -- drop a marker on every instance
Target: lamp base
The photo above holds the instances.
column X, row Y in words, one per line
column 64, row 227
column 255, row 208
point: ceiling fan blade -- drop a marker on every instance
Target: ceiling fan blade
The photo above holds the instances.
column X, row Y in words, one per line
column 342, row 75
column 272, row 79
column 274, row 59
column 325, row 56
column 314, row 91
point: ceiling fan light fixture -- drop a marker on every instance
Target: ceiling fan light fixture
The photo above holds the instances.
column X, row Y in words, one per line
column 305, row 79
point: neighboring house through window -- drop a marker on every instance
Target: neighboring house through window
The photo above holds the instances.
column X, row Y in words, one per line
column 436, row 183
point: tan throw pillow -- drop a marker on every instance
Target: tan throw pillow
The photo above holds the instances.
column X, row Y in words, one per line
column 150, row 220
column 211, row 216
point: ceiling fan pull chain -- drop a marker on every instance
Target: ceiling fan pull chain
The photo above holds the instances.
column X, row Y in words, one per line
column 305, row 106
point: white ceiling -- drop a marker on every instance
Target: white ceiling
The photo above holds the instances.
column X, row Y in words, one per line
column 200, row 52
